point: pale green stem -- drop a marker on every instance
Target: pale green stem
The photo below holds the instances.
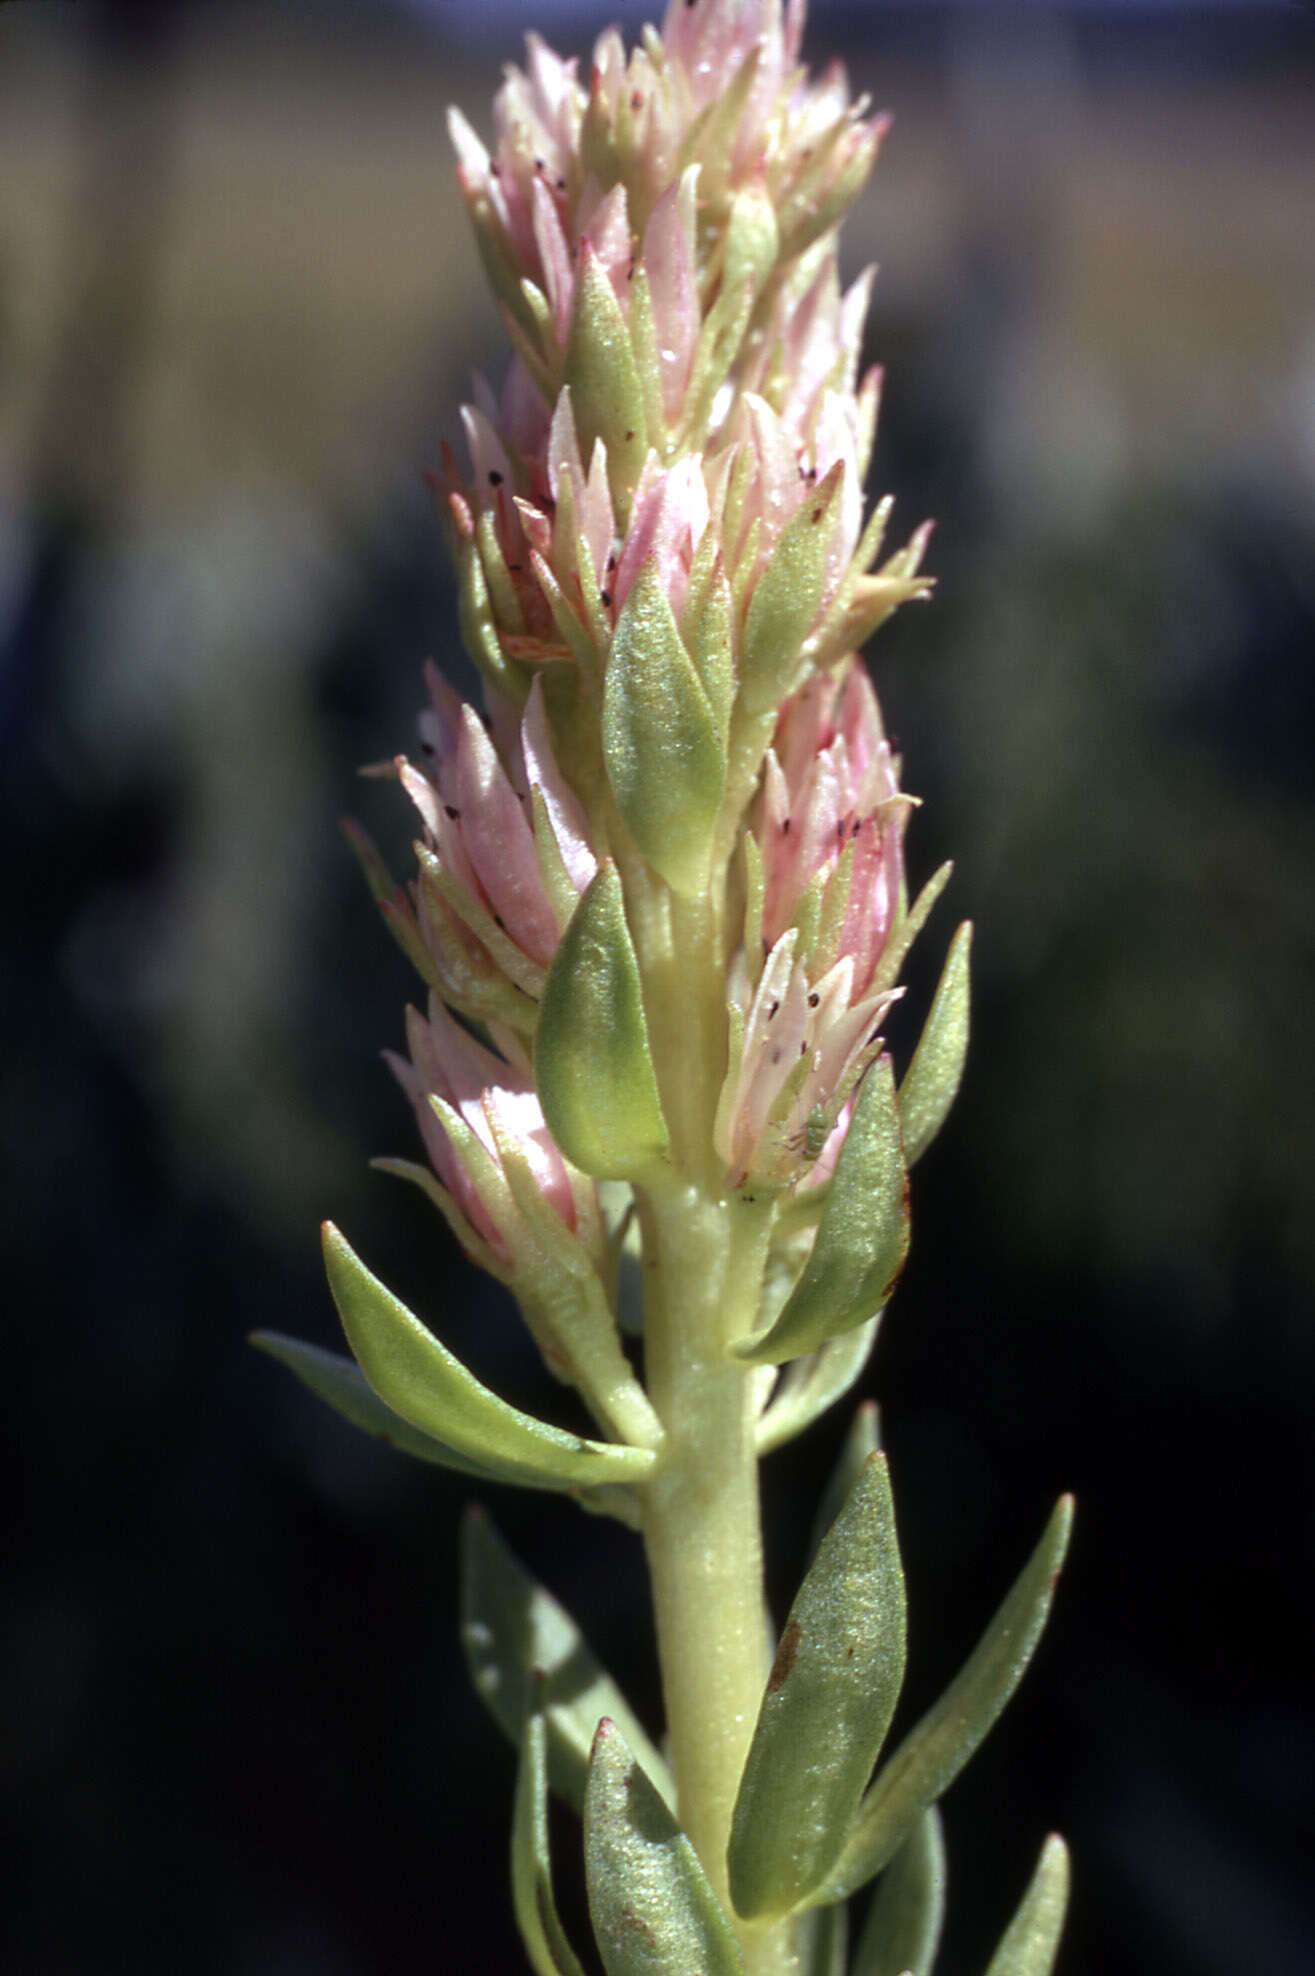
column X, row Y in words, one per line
column 703, row 1260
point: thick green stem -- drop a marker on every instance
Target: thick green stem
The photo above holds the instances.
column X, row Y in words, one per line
column 703, row 1270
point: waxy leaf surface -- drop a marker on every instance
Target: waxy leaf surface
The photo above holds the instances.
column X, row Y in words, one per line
column 660, row 742
column 933, row 1077
column 531, row 1862
column 654, row 1913
column 904, row 1921
column 937, row 1748
column 1032, row 1938
column 830, row 1697
column 591, row 1057
column 421, row 1380
column 511, row 1629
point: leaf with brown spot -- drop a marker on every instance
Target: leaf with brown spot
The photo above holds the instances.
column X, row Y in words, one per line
column 826, row 1710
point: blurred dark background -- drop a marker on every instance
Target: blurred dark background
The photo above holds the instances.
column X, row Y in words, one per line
column 238, row 306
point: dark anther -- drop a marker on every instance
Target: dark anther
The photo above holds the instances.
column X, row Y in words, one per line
column 454, row 814
column 606, row 597
column 814, row 999
column 495, row 478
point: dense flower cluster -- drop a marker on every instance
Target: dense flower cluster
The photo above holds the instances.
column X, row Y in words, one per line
column 663, row 503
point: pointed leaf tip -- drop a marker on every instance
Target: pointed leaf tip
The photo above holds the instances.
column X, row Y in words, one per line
column 1031, row 1941
column 829, row 1702
column 591, row 1054
column 933, row 1077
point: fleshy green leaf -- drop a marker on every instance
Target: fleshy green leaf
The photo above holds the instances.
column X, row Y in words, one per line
column 863, row 1238
column 660, row 743
column 512, row 1628
column 591, row 1057
column 830, row 1697
column 787, row 597
column 606, row 394
column 932, row 1079
column 531, row 1863
column 812, row 1384
column 340, row 1382
column 1032, row 1937
column 937, row 1748
column 420, row 1379
column 862, row 1440
column 653, row 1911
column 904, row 1921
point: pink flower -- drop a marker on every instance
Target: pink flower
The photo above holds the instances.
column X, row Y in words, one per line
column 499, row 830
column 476, row 1111
column 830, row 792
column 808, row 1000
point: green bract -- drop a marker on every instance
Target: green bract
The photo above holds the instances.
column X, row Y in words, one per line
column 591, row 1056
column 863, row 1238
column 605, row 387
column 664, row 758
column 932, row 1079
column 829, row 1702
column 787, row 598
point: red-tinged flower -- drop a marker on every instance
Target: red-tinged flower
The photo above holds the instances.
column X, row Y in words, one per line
column 801, row 1042
column 477, row 1111
column 831, row 816
column 504, row 857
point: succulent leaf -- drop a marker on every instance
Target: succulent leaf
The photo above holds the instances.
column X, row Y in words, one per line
column 512, row 1629
column 932, row 1079
column 903, row 1925
column 1032, row 1937
column 653, row 1911
column 531, row 1863
column 829, row 1701
column 422, row 1381
column 937, row 1748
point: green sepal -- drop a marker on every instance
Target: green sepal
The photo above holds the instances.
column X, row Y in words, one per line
column 812, row 1384
column 511, row 1629
column 932, row 1079
column 787, row 597
column 1030, row 1941
column 904, row 1922
column 660, row 742
column 342, row 1385
column 606, row 393
column 592, row 1066
column 937, row 1748
column 863, row 1237
column 654, row 1912
column 532, row 1897
column 829, row 1702
column 422, row 1381
column 824, row 1940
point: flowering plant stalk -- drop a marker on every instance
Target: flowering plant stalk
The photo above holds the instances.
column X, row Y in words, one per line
column 660, row 912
